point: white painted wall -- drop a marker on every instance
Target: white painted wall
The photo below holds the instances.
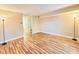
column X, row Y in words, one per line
column 13, row 26
column 78, row 26
column 59, row 25
column 35, row 24
column 1, row 31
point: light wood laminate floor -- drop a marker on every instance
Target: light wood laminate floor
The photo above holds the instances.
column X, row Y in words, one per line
column 41, row 43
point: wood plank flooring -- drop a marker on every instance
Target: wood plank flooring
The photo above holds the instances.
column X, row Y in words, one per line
column 41, row 43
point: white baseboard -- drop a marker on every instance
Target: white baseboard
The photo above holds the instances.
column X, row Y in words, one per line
column 14, row 38
column 57, row 34
column 42, row 32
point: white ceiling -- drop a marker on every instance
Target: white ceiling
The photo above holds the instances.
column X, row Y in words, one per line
column 32, row 9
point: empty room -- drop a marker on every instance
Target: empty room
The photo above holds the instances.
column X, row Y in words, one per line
column 39, row 28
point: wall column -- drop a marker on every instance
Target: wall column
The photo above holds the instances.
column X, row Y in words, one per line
column 27, row 27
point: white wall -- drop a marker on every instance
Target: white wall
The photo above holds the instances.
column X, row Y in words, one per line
column 59, row 24
column 78, row 29
column 1, row 31
column 35, row 24
column 13, row 26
